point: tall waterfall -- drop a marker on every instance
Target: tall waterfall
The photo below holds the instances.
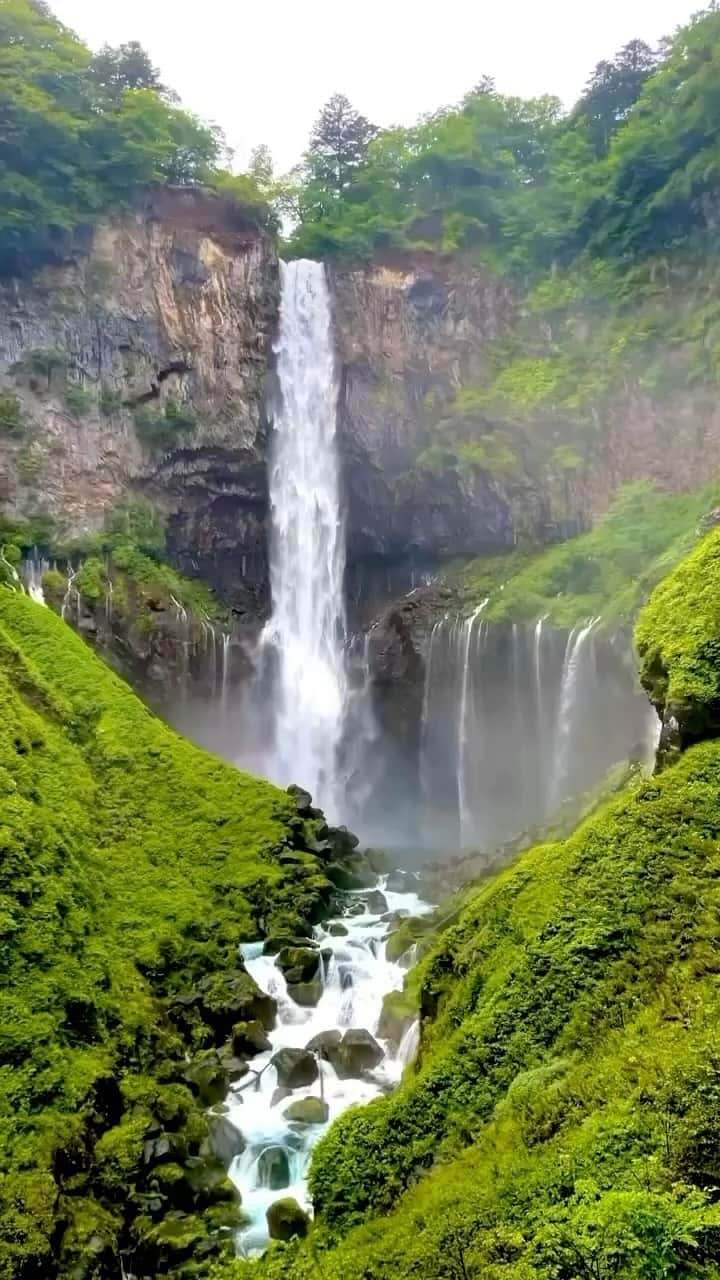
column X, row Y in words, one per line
column 307, row 559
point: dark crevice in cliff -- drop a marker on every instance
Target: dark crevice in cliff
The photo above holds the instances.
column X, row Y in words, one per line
column 175, row 366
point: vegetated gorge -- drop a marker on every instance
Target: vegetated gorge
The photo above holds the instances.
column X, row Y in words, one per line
column 406, row 525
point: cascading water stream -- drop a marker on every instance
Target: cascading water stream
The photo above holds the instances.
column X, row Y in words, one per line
column 306, row 628
column 568, row 701
column 356, row 976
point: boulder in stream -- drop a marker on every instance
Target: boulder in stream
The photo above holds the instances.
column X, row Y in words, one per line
column 337, row 930
column 375, row 901
column 249, row 1038
column 225, row 1139
column 307, row 1111
column 323, row 1041
column 299, row 964
column 286, row 1220
column 306, row 994
column 296, row 1068
column 356, row 1053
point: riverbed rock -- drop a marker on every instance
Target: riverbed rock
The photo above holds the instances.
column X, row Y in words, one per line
column 376, row 902
column 357, row 1053
column 356, row 908
column 232, row 996
column 337, row 930
column 273, row 1169
column 250, row 1038
column 286, row 1220
column 308, row 1111
column 323, row 1041
column 274, row 944
column 299, row 964
column 306, row 994
column 399, row 881
column 295, row 1068
column 225, row 1139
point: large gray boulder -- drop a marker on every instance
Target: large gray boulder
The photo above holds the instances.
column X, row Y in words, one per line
column 296, row 1068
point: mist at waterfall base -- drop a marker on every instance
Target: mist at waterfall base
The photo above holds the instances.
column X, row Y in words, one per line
column 510, row 721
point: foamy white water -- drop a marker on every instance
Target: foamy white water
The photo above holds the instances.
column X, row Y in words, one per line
column 307, row 563
column 356, row 978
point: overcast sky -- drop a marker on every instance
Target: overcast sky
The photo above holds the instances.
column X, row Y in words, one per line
column 263, row 70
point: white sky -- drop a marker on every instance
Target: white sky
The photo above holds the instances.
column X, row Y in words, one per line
column 262, row 70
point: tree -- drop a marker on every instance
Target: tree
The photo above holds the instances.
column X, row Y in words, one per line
column 338, row 144
column 126, row 67
column 261, row 167
column 612, row 90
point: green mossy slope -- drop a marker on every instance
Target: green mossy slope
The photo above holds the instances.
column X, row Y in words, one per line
column 131, row 865
column 563, row 1120
column 607, row 572
column 678, row 641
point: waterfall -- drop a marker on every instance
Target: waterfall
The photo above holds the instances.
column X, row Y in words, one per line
column 568, row 702
column 466, row 631
column 307, row 560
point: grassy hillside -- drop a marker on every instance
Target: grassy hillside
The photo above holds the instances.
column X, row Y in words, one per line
column 132, row 866
column 562, row 1121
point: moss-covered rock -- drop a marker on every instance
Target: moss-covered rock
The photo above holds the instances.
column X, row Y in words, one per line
column 678, row 641
column 295, row 1068
column 249, row 1038
column 286, row 1220
column 307, row 1111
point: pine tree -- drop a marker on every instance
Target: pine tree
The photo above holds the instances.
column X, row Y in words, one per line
column 338, row 144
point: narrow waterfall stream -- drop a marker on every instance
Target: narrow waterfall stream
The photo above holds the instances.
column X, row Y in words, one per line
column 356, row 976
column 307, row 564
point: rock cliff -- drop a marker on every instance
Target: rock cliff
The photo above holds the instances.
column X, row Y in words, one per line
column 139, row 367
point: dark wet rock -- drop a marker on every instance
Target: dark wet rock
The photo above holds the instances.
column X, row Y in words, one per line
column 276, row 941
column 235, row 1068
column 299, row 964
column 357, row 1053
column 286, row 1220
column 356, row 908
column 399, row 882
column 376, row 902
column 302, row 798
column 165, row 1147
column 273, row 1169
column 250, row 1038
column 225, row 1139
column 377, row 861
column 295, row 1068
column 306, row 994
column 324, row 1040
column 308, row 1111
column 337, row 930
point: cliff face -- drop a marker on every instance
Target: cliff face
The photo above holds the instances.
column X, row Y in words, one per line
column 409, row 332
column 139, row 368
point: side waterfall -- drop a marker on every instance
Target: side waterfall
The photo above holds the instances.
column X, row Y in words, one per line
column 516, row 719
column 307, row 625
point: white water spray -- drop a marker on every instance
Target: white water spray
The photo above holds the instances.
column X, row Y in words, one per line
column 568, row 701
column 307, row 560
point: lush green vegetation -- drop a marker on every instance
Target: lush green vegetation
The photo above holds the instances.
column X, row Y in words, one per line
column 132, row 865
column 562, row 1119
column 678, row 640
column 81, row 135
column 605, row 573
column 629, row 171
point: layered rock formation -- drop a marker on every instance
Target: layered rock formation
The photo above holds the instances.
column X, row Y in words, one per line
column 139, row 367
